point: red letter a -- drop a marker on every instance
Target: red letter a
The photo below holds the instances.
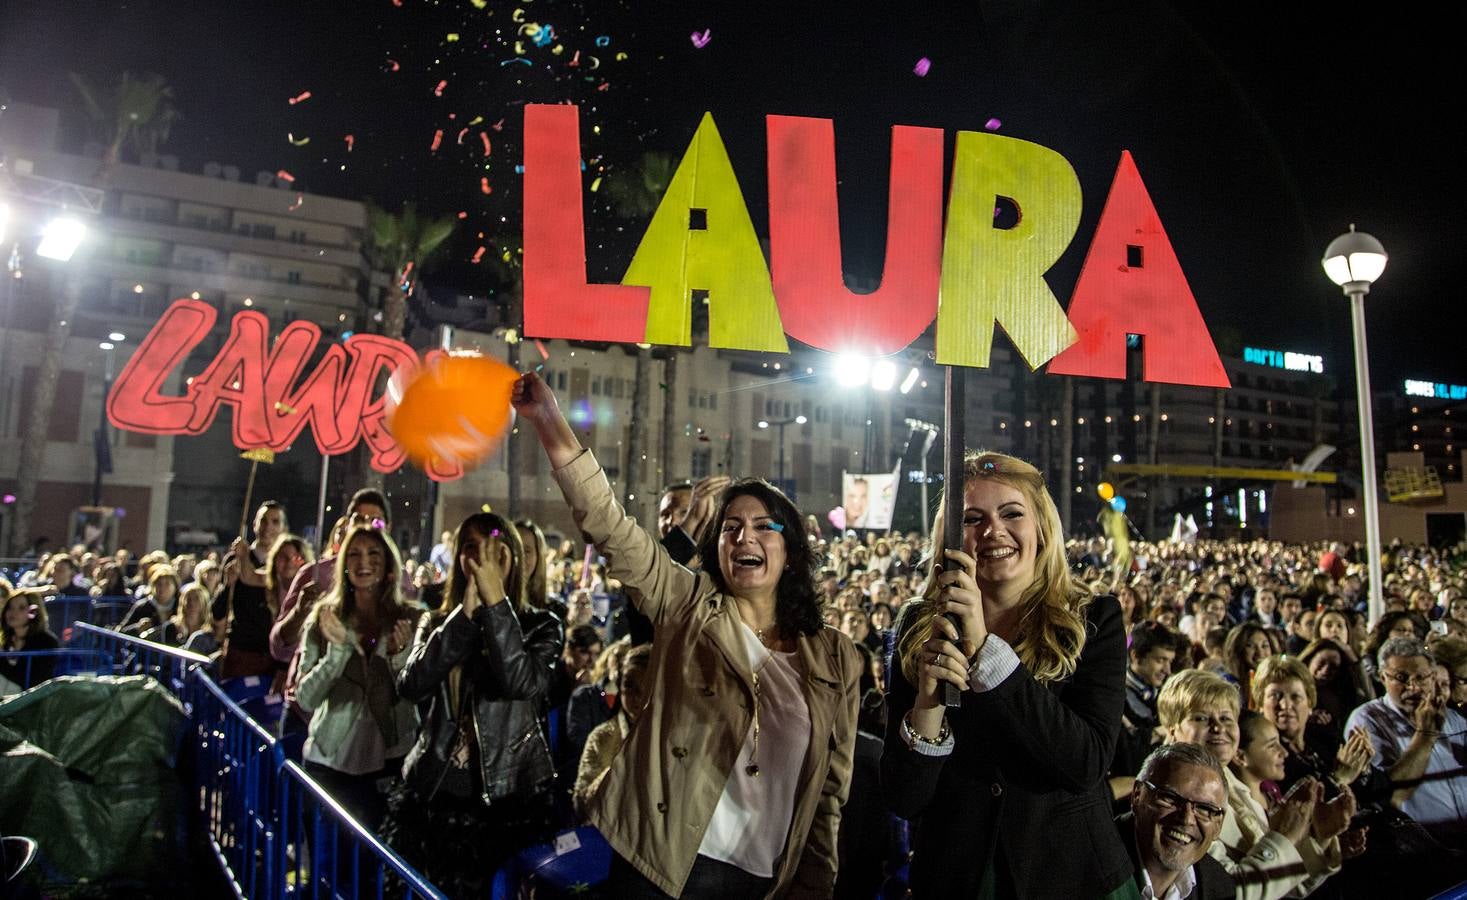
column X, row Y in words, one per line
column 558, row 301
column 804, row 237
column 1132, row 283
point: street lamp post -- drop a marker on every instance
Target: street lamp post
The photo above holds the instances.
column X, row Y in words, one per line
column 1353, row 261
column 101, row 440
column 780, row 424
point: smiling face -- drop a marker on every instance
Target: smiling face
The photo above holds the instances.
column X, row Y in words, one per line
column 1286, row 704
column 1000, row 532
column 1264, row 755
column 1257, row 649
column 1215, row 728
column 1154, row 668
column 366, row 562
column 1171, row 832
column 751, row 551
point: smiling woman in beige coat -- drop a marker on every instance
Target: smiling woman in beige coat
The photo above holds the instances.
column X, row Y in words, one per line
column 730, row 783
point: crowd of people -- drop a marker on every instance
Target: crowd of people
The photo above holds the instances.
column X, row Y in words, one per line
column 1216, row 719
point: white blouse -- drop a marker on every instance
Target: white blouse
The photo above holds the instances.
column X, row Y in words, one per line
column 751, row 823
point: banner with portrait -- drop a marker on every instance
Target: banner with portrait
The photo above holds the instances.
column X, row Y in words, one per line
column 869, row 499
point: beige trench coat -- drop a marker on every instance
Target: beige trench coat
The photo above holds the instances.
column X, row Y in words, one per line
column 659, row 796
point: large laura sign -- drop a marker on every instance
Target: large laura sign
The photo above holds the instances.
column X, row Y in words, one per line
column 262, row 383
column 967, row 273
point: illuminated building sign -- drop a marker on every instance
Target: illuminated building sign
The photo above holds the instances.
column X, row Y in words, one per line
column 1435, row 390
column 1278, row 359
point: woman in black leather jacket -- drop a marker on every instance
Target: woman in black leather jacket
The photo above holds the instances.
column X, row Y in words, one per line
column 477, row 783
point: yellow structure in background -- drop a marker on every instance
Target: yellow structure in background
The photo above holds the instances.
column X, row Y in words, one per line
column 1220, row 472
column 1406, row 485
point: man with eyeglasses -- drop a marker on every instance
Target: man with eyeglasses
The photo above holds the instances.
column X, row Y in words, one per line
column 1419, row 741
column 1177, row 810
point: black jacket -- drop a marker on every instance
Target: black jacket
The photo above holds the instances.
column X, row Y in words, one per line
column 26, row 672
column 508, row 660
column 1213, row 881
column 1025, row 785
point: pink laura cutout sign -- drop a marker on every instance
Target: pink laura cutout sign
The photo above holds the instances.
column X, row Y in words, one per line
column 272, row 403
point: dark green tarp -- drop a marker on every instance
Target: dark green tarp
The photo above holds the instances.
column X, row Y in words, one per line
column 87, row 769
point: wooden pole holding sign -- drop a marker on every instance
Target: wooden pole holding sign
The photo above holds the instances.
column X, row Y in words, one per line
column 256, row 456
column 954, row 404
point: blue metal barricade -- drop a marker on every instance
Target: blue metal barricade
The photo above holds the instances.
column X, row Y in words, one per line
column 274, row 831
column 64, row 613
column 26, row 668
column 328, row 854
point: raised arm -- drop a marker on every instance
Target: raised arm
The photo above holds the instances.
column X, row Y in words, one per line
column 535, row 403
column 634, row 558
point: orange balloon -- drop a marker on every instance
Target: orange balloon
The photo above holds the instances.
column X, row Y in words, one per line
column 454, row 408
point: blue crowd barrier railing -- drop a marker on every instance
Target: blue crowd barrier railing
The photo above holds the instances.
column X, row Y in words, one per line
column 35, row 666
column 65, row 612
column 134, row 656
column 274, row 831
column 332, row 854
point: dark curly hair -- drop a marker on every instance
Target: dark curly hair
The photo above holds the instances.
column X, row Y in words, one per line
column 797, row 607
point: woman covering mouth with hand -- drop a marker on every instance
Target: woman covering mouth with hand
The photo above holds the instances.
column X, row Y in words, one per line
column 1020, row 768
column 731, row 780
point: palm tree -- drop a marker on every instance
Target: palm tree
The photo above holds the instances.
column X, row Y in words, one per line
column 137, row 115
column 634, row 194
column 403, row 245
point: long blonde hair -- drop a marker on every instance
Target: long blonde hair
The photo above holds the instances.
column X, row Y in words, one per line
column 1052, row 618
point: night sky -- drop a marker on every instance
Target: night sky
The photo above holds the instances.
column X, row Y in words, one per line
column 1261, row 131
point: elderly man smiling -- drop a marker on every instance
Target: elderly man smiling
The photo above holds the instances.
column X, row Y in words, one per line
column 1177, row 807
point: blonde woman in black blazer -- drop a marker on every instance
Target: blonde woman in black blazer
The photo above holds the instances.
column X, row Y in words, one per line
column 1009, row 790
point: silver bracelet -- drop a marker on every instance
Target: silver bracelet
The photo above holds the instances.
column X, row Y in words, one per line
column 911, row 734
